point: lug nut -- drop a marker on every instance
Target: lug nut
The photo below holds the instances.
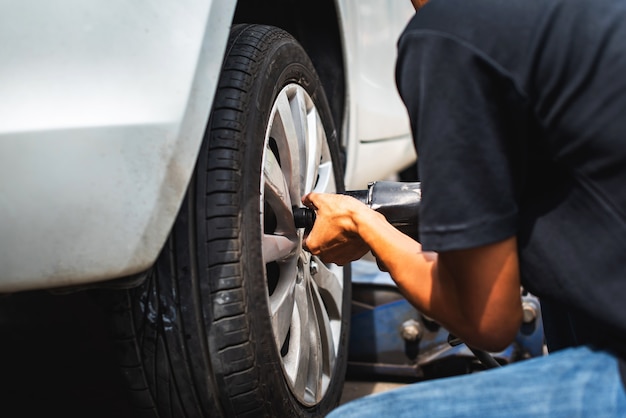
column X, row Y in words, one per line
column 411, row 330
column 529, row 312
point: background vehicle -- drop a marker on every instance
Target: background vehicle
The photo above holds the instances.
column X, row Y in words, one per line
column 156, row 149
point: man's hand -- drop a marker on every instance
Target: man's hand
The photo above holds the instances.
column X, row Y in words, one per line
column 334, row 237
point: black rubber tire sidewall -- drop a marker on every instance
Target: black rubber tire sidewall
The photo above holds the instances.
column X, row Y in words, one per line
column 285, row 62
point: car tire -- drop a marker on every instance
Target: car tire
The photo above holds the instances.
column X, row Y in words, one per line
column 235, row 318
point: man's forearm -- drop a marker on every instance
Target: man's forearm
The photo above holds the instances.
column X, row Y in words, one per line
column 484, row 310
column 414, row 271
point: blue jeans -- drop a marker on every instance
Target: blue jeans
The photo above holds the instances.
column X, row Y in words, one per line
column 574, row 382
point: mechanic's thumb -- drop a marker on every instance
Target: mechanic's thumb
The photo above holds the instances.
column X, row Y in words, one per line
column 307, row 200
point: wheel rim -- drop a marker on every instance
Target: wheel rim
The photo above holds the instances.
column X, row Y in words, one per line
column 305, row 295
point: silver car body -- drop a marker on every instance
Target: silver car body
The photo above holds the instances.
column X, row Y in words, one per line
column 104, row 106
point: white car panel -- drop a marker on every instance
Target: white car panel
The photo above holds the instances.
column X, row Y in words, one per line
column 86, row 175
column 378, row 137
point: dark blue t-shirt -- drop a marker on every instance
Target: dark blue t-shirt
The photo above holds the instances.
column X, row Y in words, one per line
column 518, row 109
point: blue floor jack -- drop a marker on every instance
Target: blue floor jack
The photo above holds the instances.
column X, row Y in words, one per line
column 390, row 339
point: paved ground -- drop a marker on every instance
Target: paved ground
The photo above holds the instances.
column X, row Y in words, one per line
column 55, row 360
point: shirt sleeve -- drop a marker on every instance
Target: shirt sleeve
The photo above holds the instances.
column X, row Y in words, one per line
column 468, row 124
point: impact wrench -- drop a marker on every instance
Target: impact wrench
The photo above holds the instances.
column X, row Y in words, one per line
column 399, row 203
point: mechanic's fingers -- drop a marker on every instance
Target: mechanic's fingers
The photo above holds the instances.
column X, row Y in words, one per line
column 305, row 246
column 341, row 254
column 312, row 244
column 340, row 260
column 307, row 200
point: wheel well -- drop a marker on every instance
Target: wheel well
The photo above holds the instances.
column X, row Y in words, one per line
column 316, row 26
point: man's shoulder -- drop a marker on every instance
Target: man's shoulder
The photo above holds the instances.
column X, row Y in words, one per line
column 516, row 34
column 508, row 16
column 462, row 16
column 498, row 29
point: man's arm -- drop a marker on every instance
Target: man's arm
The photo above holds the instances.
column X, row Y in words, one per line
column 473, row 293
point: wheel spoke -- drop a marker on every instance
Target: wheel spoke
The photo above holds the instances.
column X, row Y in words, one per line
column 319, row 171
column 330, row 288
column 318, row 356
column 276, row 189
column 291, row 360
column 315, row 140
column 327, row 339
column 297, row 359
column 282, row 304
column 277, row 196
column 325, row 179
column 289, row 139
column 277, row 248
